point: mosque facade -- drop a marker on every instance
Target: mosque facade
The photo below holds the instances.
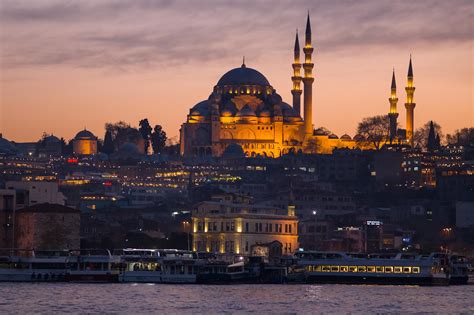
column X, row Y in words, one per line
column 244, row 113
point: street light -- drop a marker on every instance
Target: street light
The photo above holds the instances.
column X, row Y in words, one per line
column 185, row 224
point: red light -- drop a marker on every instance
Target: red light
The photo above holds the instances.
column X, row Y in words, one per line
column 72, row 160
column 108, row 184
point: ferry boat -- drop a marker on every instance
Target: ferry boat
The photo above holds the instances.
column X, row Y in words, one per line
column 160, row 266
column 459, row 269
column 403, row 269
column 93, row 266
column 34, row 267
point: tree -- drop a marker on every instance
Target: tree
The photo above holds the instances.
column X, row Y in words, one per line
column 312, row 146
column 108, row 147
column 464, row 136
column 322, row 131
column 122, row 133
column 420, row 137
column 158, row 139
column 374, row 130
column 145, row 130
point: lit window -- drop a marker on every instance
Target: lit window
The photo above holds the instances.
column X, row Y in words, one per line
column 325, row 269
column 353, row 268
column 406, row 269
column 379, row 269
column 370, row 268
column 362, row 269
column 334, row 268
column 416, row 269
column 388, row 269
column 397, row 269
column 344, row 269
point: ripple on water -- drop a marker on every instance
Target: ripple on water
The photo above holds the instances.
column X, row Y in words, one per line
column 240, row 299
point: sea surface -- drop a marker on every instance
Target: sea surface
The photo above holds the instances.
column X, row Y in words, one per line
column 49, row 298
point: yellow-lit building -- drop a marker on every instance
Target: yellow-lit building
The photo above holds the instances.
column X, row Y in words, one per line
column 245, row 110
column 84, row 143
column 231, row 227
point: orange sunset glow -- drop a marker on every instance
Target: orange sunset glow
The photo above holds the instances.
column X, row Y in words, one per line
column 69, row 65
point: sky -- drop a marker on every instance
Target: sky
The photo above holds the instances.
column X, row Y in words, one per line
column 70, row 65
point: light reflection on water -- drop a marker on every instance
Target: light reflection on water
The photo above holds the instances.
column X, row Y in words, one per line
column 211, row 299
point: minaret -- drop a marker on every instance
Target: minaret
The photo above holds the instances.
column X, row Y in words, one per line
column 410, row 105
column 308, row 81
column 393, row 114
column 296, row 78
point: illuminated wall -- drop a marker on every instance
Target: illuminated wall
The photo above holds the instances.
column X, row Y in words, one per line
column 85, row 147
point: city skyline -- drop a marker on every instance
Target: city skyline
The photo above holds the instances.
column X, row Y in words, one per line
column 83, row 65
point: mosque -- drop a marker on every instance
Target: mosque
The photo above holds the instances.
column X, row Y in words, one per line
column 244, row 114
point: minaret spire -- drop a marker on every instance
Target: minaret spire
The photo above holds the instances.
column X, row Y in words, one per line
column 308, row 31
column 296, row 78
column 393, row 114
column 308, row 81
column 410, row 105
column 243, row 62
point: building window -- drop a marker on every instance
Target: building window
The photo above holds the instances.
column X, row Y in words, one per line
column 246, row 226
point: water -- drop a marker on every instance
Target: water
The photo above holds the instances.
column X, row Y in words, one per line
column 24, row 298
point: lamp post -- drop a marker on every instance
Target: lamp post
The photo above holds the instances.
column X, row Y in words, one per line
column 186, row 229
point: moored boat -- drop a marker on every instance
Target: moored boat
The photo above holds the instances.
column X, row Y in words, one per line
column 402, row 269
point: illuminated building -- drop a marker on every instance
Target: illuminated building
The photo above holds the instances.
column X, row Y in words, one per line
column 234, row 227
column 85, row 143
column 393, row 114
column 410, row 105
column 32, row 193
column 245, row 110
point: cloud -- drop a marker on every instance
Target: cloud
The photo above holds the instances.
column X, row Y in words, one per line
column 144, row 33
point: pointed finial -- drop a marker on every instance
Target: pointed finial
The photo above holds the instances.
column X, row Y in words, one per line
column 410, row 69
column 297, row 43
column 308, row 30
column 394, row 84
column 243, row 62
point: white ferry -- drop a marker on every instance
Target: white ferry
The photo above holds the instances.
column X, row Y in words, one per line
column 338, row 267
column 93, row 266
column 34, row 267
column 159, row 266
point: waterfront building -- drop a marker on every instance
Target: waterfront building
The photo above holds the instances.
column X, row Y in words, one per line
column 84, row 143
column 47, row 226
column 29, row 193
column 234, row 225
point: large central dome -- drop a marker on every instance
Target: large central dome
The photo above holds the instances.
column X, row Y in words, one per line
column 243, row 76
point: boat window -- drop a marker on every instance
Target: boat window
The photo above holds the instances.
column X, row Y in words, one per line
column 334, row 268
column 344, row 269
column 362, row 269
column 388, row 269
column 397, row 269
column 370, row 268
column 416, row 269
column 406, row 269
column 353, row 268
column 325, row 268
column 379, row 269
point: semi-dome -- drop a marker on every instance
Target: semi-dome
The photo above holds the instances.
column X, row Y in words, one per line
column 333, row 136
column 246, row 111
column 243, row 76
column 85, row 134
column 200, row 109
column 51, row 139
column 346, row 137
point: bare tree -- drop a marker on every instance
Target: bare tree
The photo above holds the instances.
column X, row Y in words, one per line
column 374, row 131
column 420, row 137
column 464, row 136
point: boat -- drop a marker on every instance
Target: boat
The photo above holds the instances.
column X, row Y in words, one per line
column 459, row 269
column 31, row 266
column 400, row 269
column 93, row 266
column 159, row 266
